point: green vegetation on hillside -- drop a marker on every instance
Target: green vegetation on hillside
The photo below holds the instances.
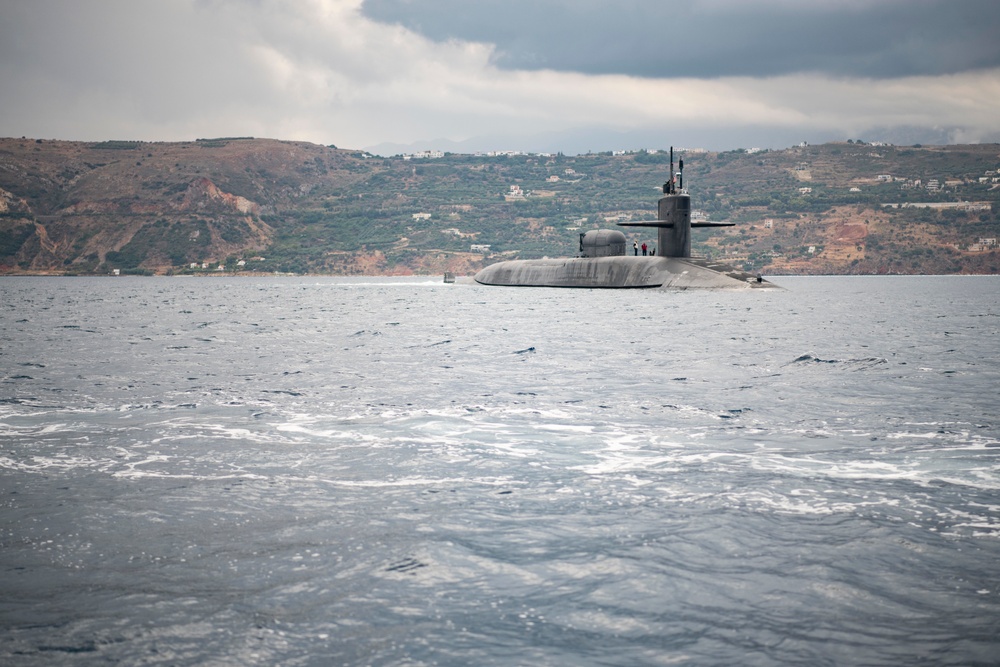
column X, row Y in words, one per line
column 116, row 145
column 308, row 208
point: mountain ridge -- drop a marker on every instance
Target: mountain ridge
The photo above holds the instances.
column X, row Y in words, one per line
column 264, row 205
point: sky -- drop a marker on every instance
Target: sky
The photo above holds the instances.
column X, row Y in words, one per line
column 571, row 76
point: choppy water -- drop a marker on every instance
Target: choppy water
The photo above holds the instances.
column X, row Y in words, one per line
column 401, row 472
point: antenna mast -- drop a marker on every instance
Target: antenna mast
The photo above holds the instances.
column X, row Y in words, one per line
column 668, row 187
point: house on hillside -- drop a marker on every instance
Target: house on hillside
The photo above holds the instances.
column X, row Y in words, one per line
column 514, row 193
column 424, row 155
column 983, row 245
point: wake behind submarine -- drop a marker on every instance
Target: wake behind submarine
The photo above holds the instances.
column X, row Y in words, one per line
column 603, row 261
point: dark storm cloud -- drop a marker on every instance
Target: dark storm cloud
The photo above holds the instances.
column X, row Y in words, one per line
column 716, row 38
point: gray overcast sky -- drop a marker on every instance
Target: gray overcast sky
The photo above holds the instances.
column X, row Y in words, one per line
column 547, row 75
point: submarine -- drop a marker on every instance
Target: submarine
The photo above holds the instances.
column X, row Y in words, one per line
column 603, row 260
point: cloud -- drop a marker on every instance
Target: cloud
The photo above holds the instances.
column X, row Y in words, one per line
column 716, row 38
column 336, row 71
column 118, row 65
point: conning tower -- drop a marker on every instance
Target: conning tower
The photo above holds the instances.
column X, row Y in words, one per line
column 674, row 240
column 673, row 216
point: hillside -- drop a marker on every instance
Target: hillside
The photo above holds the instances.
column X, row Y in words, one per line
column 262, row 205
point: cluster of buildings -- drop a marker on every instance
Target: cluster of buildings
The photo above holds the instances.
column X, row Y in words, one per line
column 424, row 155
column 509, row 154
column 431, row 154
column 983, row 245
column 205, row 266
column 935, row 184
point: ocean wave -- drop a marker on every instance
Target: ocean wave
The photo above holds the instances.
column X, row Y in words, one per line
column 861, row 364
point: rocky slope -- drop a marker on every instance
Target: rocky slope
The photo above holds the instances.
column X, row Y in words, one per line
column 242, row 204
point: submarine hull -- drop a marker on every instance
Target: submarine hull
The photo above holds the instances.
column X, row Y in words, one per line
column 621, row 272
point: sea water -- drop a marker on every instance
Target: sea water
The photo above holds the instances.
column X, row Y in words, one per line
column 321, row 471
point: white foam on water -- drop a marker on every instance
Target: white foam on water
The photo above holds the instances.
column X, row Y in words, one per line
column 405, row 482
column 153, row 474
column 929, row 435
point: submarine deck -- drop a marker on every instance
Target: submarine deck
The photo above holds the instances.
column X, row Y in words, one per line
column 620, row 272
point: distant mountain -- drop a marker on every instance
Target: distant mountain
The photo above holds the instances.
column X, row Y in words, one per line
column 583, row 140
column 240, row 204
